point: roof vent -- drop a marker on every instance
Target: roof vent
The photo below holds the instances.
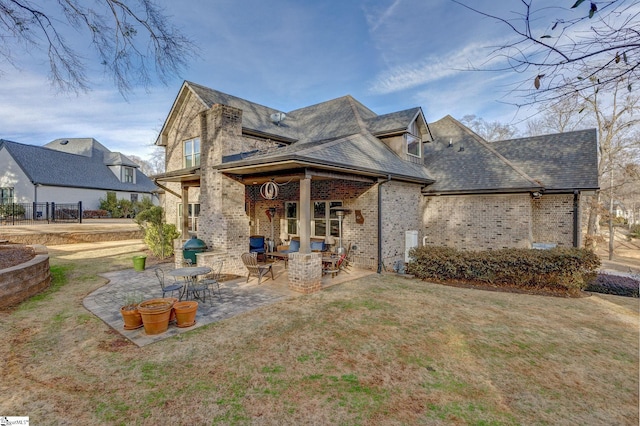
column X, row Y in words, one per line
column 64, row 142
column 450, row 143
column 461, row 149
column 278, row 117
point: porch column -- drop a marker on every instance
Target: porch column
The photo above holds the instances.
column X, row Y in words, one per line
column 305, row 267
column 185, row 212
column 305, row 215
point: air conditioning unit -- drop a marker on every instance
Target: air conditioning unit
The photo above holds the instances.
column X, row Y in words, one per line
column 410, row 241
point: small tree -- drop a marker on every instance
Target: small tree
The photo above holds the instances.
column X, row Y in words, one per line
column 158, row 235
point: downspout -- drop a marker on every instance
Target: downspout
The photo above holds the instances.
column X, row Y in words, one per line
column 380, row 263
column 576, row 221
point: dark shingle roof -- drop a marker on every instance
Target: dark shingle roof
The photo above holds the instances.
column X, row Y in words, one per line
column 358, row 152
column 336, row 133
column 469, row 164
column 56, row 168
column 393, row 122
column 559, row 161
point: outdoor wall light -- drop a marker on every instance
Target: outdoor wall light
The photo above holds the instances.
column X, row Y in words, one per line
column 536, row 195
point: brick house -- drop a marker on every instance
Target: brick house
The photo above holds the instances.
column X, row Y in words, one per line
column 403, row 181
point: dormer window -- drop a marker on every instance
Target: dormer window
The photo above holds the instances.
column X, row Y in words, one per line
column 127, row 175
column 413, row 144
column 192, row 152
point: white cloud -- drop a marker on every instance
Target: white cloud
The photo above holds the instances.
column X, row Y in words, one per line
column 34, row 114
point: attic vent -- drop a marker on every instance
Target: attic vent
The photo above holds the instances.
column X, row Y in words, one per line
column 64, row 142
column 278, row 117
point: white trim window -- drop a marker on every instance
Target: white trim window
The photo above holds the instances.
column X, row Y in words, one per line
column 413, row 144
column 322, row 215
column 6, row 195
column 191, row 151
column 194, row 213
column 127, row 175
column 291, row 217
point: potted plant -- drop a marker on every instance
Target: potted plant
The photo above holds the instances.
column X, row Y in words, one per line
column 155, row 314
column 185, row 313
column 129, row 311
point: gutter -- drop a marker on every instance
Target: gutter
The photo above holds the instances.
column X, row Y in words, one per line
column 576, row 221
column 380, row 265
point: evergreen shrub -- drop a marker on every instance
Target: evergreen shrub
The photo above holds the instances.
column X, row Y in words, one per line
column 560, row 270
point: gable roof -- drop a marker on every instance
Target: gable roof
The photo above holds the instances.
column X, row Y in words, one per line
column 336, row 134
column 53, row 167
column 559, row 161
column 463, row 162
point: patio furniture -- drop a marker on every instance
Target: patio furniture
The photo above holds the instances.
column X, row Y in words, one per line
column 171, row 288
column 210, row 280
column 346, row 262
column 189, row 275
column 256, row 245
column 331, row 264
column 250, row 260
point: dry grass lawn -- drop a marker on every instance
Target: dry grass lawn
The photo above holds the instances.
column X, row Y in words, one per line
column 377, row 351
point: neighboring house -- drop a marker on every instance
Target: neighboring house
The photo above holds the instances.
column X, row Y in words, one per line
column 403, row 181
column 69, row 171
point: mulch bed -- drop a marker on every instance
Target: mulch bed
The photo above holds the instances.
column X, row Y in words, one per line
column 15, row 254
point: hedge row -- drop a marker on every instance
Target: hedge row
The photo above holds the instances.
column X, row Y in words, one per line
column 559, row 270
column 615, row 284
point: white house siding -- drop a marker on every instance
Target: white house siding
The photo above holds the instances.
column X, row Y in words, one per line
column 478, row 222
column 90, row 197
column 12, row 176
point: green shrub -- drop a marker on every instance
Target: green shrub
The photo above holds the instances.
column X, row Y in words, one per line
column 158, row 236
column 565, row 270
column 9, row 210
column 634, row 232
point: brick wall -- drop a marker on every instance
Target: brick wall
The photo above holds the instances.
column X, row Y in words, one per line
column 401, row 212
column 552, row 219
column 478, row 222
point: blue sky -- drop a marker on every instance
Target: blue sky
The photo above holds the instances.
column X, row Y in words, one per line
column 389, row 54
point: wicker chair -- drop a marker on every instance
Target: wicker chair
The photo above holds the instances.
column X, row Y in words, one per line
column 250, row 260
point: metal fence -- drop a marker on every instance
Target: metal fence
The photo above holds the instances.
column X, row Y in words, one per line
column 39, row 213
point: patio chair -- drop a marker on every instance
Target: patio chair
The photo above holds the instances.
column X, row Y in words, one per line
column 346, row 262
column 250, row 260
column 171, row 288
column 330, row 269
column 210, row 280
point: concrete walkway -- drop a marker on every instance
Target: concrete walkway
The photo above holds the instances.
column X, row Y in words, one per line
column 237, row 296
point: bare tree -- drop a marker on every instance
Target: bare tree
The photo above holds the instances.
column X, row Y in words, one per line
column 559, row 117
column 592, row 47
column 145, row 166
column 157, row 160
column 489, row 130
column 133, row 39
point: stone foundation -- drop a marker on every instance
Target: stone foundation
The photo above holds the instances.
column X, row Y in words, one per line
column 305, row 272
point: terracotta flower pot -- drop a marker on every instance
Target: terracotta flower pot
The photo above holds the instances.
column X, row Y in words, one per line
column 172, row 317
column 131, row 317
column 186, row 313
column 155, row 315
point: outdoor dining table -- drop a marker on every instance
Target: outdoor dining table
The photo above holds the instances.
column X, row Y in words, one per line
column 330, row 264
column 190, row 275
